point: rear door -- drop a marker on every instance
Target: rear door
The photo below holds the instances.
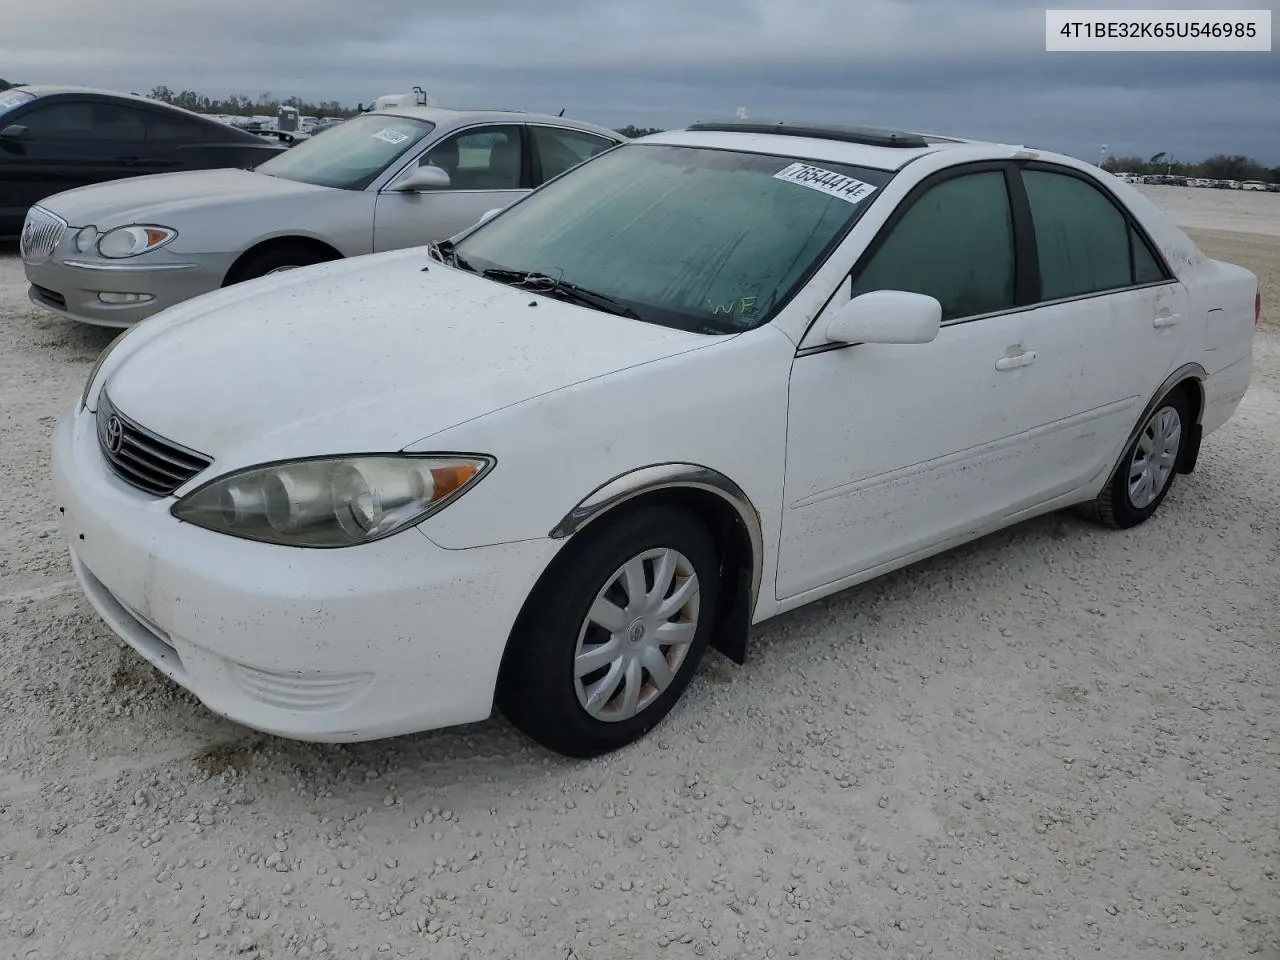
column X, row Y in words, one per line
column 174, row 142
column 1108, row 327
column 488, row 166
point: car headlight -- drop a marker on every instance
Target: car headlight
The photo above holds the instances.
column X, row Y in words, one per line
column 86, row 239
column 97, row 365
column 131, row 241
column 331, row 501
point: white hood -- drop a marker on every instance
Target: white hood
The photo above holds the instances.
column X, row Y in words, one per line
column 156, row 198
column 362, row 355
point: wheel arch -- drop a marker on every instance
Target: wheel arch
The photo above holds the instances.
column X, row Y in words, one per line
column 732, row 518
column 314, row 244
column 1189, row 379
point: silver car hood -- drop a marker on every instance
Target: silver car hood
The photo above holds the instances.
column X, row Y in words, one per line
column 157, row 198
column 371, row 353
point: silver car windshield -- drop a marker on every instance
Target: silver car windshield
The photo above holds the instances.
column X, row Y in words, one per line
column 352, row 155
column 710, row 240
column 13, row 98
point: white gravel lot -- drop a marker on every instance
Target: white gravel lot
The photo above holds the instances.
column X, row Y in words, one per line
column 1057, row 742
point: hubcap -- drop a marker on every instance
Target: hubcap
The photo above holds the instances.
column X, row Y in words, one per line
column 1154, row 457
column 636, row 635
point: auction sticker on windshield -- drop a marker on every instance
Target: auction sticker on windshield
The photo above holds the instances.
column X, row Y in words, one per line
column 826, row 181
column 391, row 136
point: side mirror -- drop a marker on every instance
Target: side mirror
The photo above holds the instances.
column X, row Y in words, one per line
column 423, row 178
column 14, row 131
column 489, row 215
column 887, row 316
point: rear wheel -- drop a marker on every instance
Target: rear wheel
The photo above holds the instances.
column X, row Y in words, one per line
column 1149, row 467
column 615, row 633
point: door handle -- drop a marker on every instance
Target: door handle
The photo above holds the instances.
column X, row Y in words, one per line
column 1165, row 320
column 1012, row 363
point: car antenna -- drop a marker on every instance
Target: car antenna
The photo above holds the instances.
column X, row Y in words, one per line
column 561, row 113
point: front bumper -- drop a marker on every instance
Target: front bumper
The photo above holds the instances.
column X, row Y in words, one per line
column 69, row 285
column 393, row 637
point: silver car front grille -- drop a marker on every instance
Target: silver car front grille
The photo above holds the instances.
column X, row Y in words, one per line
column 41, row 233
column 141, row 458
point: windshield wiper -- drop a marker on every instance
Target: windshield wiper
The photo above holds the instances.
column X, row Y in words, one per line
column 443, row 251
column 568, row 292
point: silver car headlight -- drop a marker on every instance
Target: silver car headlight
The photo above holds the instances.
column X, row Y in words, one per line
column 130, row 241
column 332, row 501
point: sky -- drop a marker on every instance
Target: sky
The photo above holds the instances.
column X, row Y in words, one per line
column 971, row 68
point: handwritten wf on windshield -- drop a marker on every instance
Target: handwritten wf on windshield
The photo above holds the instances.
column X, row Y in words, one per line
column 738, row 306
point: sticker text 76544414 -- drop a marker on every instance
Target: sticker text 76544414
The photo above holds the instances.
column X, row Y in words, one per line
column 391, row 136
column 826, row 181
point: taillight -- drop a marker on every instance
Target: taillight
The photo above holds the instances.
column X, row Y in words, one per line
column 1257, row 307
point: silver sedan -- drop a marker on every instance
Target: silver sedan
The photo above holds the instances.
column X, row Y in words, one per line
column 114, row 253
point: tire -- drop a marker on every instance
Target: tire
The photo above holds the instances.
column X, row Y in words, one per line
column 1147, row 471
column 275, row 259
column 543, row 687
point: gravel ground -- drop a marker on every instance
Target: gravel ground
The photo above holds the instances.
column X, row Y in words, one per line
column 1059, row 741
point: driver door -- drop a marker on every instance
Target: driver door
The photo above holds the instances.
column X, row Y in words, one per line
column 488, row 167
column 68, row 144
column 893, row 449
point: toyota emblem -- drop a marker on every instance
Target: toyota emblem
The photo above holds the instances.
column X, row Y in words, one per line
column 115, row 434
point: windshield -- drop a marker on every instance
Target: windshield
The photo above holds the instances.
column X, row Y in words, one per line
column 14, row 98
column 702, row 239
column 352, row 155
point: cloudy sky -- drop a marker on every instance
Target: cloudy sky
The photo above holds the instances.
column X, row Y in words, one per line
column 968, row 67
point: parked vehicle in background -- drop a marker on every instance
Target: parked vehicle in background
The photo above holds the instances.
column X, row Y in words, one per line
column 115, row 253
column 288, row 127
column 57, row 138
column 705, row 378
column 1253, row 185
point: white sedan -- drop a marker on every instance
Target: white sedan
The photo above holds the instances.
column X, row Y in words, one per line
column 700, row 380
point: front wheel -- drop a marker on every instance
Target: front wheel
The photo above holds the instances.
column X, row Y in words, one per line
column 1150, row 464
column 276, row 260
column 614, row 634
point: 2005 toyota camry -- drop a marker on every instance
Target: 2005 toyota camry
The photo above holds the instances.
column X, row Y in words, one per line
column 700, row 380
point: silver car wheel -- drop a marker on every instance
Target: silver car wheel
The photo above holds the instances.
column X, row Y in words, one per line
column 636, row 635
column 1154, row 457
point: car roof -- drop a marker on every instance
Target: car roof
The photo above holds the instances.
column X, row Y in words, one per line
column 875, row 148
column 49, row 89
column 456, row 117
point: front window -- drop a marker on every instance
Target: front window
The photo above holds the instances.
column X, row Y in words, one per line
column 9, row 99
column 710, row 240
column 353, row 155
column 486, row 158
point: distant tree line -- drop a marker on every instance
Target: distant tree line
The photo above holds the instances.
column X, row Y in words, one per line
column 242, row 106
column 238, row 105
column 633, row 132
column 1219, row 167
